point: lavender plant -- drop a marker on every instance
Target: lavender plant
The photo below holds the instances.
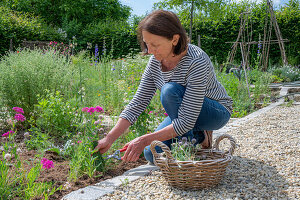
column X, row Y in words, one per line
column 184, row 150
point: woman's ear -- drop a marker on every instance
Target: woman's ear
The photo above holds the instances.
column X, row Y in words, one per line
column 175, row 39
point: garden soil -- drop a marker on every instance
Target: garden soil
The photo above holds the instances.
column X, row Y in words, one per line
column 59, row 174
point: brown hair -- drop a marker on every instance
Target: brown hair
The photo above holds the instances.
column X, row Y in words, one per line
column 166, row 24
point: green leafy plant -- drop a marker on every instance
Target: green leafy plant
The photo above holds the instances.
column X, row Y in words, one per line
column 238, row 91
column 17, row 182
column 286, row 73
column 85, row 160
column 55, row 116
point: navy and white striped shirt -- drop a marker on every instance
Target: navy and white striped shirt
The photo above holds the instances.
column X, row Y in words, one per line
column 196, row 73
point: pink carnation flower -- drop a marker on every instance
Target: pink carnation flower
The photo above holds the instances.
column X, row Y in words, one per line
column 20, row 117
column 91, row 110
column 47, row 164
column 8, row 133
column 85, row 109
column 99, row 109
column 18, row 110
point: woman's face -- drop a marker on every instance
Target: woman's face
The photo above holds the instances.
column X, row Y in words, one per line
column 160, row 47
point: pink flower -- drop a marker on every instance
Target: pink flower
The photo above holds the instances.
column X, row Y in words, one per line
column 47, row 164
column 99, row 109
column 20, row 117
column 150, row 112
column 8, row 133
column 85, row 109
column 18, row 110
column 79, row 141
column 166, row 114
column 91, row 110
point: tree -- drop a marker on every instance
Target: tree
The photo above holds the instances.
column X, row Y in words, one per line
column 57, row 12
column 190, row 9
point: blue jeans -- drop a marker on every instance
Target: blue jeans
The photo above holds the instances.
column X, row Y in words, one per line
column 213, row 116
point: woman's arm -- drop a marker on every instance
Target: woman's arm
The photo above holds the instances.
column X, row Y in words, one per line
column 136, row 146
column 105, row 143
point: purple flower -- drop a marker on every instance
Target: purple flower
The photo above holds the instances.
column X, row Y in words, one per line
column 98, row 109
column 184, row 139
column 97, row 122
column 194, row 141
column 166, row 114
column 18, row 110
column 96, row 51
column 79, row 141
column 8, row 133
column 20, row 117
column 47, row 164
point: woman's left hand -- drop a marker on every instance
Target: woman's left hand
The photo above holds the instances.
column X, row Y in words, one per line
column 134, row 149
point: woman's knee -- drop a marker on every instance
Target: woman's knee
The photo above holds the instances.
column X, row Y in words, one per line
column 171, row 92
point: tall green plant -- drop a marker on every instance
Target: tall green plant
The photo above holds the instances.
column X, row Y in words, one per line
column 26, row 74
column 238, row 91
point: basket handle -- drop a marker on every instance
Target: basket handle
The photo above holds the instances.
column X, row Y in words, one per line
column 163, row 146
column 232, row 143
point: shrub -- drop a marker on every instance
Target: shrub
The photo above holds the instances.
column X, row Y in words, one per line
column 286, row 73
column 19, row 26
column 55, row 116
column 118, row 39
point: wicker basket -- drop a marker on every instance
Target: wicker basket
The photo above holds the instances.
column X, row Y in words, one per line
column 194, row 174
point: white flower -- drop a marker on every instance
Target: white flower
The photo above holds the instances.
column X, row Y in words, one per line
column 67, row 185
column 26, row 135
column 7, row 156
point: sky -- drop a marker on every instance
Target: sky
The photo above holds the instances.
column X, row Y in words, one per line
column 140, row 7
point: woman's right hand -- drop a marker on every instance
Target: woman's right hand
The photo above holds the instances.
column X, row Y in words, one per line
column 103, row 145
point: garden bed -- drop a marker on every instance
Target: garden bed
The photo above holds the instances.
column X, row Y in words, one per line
column 59, row 173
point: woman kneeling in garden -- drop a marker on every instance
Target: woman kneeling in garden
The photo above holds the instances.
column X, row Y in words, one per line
column 196, row 103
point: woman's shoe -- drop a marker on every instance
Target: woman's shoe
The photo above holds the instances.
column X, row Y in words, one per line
column 207, row 143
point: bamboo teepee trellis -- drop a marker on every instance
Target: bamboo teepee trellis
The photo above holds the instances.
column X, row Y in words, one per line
column 244, row 39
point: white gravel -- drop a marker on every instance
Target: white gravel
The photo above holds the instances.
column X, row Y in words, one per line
column 266, row 164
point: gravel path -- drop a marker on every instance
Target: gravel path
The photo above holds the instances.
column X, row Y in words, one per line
column 266, row 164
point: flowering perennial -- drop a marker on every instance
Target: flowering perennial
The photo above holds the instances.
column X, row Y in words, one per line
column 18, row 110
column 8, row 133
column 91, row 110
column 20, row 117
column 85, row 109
column 99, row 109
column 47, row 164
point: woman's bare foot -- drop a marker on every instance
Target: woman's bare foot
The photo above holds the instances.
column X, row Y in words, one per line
column 207, row 142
